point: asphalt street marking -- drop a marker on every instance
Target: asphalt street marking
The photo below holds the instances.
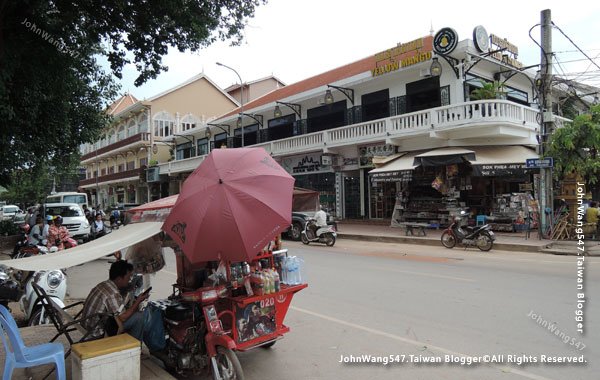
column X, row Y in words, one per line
column 424, row 274
column 415, row 343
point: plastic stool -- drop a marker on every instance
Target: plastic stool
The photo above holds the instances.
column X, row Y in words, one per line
column 480, row 221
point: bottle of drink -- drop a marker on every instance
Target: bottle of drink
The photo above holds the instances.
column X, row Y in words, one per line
column 277, row 282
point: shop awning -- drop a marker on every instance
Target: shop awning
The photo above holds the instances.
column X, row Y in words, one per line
column 117, row 240
column 497, row 161
column 444, row 156
column 382, row 160
column 396, row 170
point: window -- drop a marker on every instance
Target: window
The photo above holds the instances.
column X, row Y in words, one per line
column 185, row 150
column 103, row 172
column 143, row 123
column 423, row 94
column 163, row 124
column 250, row 135
column 188, row 122
column 326, row 117
column 202, row 146
column 121, row 168
column 131, row 128
column 111, row 170
column 121, row 133
column 375, row 105
column 112, row 137
column 131, row 165
column 281, row 127
column 143, row 162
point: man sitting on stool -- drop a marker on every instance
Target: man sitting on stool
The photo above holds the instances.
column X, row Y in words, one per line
column 106, row 298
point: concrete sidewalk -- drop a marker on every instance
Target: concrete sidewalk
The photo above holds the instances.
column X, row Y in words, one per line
column 508, row 241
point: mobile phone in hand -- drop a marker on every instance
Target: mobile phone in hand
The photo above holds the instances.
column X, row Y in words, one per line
column 147, row 290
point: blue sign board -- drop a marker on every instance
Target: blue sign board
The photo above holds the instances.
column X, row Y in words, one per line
column 547, row 162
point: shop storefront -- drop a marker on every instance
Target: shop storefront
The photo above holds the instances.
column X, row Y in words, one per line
column 433, row 186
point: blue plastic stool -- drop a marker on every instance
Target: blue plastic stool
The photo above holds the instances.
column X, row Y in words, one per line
column 480, row 220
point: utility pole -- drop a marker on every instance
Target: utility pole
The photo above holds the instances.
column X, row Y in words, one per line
column 547, row 125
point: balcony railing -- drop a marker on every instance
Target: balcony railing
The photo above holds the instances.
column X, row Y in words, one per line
column 484, row 113
column 144, row 136
column 112, row 177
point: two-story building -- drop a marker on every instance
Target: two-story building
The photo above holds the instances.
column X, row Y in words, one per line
column 416, row 111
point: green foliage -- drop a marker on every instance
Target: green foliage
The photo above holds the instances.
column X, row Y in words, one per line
column 576, row 148
column 52, row 89
column 7, row 227
column 488, row 90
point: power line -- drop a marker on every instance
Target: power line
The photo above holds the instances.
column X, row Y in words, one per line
column 574, row 44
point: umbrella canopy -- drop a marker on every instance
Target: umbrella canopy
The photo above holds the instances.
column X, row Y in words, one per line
column 231, row 206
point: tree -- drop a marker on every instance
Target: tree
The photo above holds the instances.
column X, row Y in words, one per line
column 576, row 148
column 53, row 91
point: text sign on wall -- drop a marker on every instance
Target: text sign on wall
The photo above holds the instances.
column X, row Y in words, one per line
column 403, row 55
column 304, row 164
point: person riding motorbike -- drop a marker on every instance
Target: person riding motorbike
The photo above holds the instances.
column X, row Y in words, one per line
column 57, row 234
column 36, row 236
column 320, row 219
column 98, row 227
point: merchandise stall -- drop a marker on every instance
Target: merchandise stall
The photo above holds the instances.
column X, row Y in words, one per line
column 234, row 282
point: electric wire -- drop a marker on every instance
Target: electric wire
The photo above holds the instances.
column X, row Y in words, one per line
column 574, row 44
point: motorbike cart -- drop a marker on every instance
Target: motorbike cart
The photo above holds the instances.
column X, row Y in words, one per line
column 219, row 308
column 232, row 291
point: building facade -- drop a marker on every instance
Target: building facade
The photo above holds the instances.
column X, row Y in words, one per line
column 407, row 133
column 121, row 166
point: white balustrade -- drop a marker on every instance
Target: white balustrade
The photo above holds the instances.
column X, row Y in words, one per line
column 375, row 131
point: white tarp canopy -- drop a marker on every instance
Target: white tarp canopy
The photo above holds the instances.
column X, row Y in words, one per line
column 117, row 240
column 514, row 154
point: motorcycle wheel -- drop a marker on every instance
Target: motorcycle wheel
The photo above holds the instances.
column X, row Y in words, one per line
column 228, row 365
column 485, row 242
column 448, row 240
column 268, row 345
column 304, row 239
column 329, row 240
column 36, row 318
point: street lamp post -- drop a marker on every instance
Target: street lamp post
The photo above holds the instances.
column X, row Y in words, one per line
column 241, row 96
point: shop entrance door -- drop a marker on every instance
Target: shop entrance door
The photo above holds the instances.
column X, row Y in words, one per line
column 352, row 195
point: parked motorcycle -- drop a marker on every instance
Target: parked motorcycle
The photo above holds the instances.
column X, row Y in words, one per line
column 54, row 282
column 10, row 290
column 480, row 236
column 313, row 233
column 23, row 239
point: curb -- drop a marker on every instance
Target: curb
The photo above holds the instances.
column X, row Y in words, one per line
column 435, row 242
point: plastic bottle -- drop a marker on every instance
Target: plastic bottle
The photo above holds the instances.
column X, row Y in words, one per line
column 276, row 282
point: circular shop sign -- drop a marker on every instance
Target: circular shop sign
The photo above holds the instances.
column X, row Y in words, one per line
column 481, row 39
column 445, row 41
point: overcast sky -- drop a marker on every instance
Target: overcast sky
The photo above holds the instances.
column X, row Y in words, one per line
column 294, row 40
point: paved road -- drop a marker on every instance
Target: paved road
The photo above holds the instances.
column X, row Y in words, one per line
column 428, row 302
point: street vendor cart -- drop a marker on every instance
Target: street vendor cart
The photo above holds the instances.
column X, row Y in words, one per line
column 234, row 282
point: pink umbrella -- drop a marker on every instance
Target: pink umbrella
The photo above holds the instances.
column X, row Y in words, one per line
column 231, row 206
